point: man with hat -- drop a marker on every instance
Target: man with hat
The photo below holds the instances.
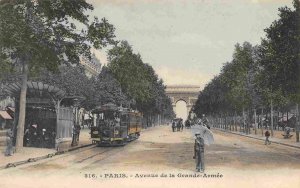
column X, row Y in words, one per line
column 199, row 152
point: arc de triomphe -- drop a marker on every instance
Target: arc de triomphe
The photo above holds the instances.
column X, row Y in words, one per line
column 186, row 93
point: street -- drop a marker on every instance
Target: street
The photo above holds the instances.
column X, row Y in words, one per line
column 159, row 150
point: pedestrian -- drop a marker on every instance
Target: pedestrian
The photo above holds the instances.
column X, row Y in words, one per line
column 178, row 125
column 187, row 124
column 26, row 137
column 181, row 124
column 34, row 135
column 267, row 135
column 204, row 120
column 173, row 126
column 9, row 143
column 199, row 153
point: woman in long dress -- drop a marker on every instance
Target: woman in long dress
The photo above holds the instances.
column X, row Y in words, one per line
column 9, row 143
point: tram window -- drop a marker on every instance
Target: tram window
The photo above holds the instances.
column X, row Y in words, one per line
column 133, row 118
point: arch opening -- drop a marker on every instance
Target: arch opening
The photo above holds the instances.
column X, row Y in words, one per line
column 181, row 109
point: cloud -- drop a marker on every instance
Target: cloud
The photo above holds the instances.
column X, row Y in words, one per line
column 191, row 38
column 268, row 1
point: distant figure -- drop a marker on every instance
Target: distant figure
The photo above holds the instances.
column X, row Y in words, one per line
column 187, row 124
column 34, row 135
column 9, row 143
column 204, row 120
column 178, row 125
column 173, row 126
column 199, row 153
column 117, row 120
column 26, row 137
column 267, row 135
column 181, row 124
column 75, row 135
column 287, row 131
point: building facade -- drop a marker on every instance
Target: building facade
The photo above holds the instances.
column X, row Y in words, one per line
column 92, row 67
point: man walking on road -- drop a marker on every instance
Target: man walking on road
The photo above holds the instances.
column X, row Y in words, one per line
column 267, row 135
column 173, row 125
column 199, row 153
column 181, row 124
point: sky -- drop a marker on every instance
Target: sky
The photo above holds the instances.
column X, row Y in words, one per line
column 187, row 41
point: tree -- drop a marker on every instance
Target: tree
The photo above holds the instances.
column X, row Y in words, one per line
column 108, row 89
column 280, row 57
column 74, row 82
column 43, row 34
column 138, row 81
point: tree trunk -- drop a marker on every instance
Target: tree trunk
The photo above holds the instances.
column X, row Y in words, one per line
column 22, row 108
column 244, row 120
column 235, row 122
column 272, row 132
column 262, row 122
column 287, row 118
column 297, row 123
column 255, row 123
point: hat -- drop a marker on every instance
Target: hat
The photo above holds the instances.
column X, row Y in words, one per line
column 197, row 133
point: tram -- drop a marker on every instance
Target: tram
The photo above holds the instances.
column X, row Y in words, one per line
column 115, row 126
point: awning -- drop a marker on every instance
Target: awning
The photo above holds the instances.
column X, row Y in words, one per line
column 36, row 89
column 11, row 109
column 5, row 115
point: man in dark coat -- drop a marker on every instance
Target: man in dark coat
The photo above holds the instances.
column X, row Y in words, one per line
column 199, row 153
column 178, row 125
column 173, row 125
column 267, row 135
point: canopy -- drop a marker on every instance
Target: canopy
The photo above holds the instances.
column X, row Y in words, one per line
column 35, row 90
column 5, row 115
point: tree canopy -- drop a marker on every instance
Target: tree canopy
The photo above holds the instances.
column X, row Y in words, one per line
column 139, row 81
column 259, row 75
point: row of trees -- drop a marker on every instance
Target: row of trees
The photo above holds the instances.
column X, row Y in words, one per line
column 126, row 81
column 264, row 77
column 140, row 83
column 45, row 39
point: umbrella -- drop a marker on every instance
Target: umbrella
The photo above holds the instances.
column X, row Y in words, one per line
column 206, row 134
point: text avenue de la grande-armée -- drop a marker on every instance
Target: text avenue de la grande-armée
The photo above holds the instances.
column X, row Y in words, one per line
column 153, row 175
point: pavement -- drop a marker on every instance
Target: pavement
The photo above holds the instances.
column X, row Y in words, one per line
column 277, row 138
column 242, row 162
column 27, row 153
column 32, row 154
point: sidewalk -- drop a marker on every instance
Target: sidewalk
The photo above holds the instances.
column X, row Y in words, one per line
column 277, row 137
column 30, row 152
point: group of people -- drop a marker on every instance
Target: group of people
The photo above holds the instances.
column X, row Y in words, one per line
column 37, row 136
column 177, row 124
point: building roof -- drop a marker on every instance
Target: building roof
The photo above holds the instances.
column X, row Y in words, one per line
column 11, row 109
column 5, row 115
column 35, row 89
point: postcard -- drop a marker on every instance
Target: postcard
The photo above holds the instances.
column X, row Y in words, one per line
column 149, row 93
